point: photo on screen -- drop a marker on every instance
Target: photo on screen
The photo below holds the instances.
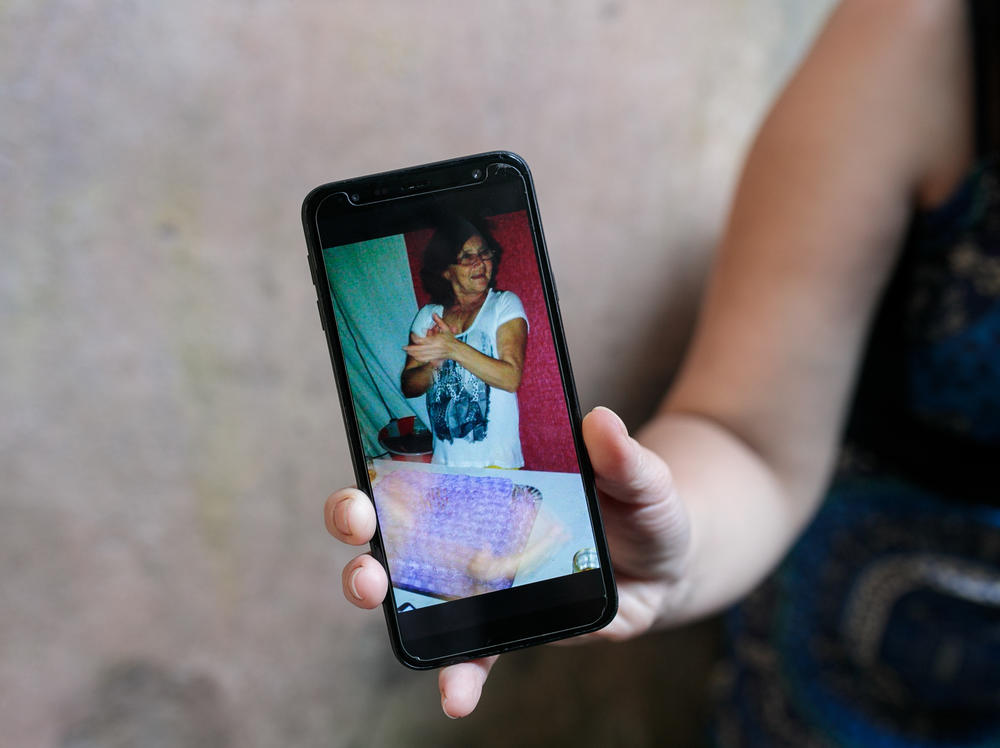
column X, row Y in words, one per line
column 455, row 383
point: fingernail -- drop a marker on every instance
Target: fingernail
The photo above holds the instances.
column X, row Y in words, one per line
column 618, row 420
column 444, row 707
column 341, row 517
column 352, row 583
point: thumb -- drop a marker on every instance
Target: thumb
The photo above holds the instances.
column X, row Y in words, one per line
column 624, row 469
column 648, row 529
column 442, row 326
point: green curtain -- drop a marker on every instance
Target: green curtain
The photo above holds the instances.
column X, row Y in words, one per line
column 374, row 305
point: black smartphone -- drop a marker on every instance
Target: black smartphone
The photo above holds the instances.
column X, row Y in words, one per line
column 436, row 296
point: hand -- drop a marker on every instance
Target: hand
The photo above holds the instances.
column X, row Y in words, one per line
column 648, row 534
column 437, row 345
column 350, row 517
column 646, row 523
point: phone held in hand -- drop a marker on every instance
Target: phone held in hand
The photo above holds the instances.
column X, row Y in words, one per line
column 440, row 313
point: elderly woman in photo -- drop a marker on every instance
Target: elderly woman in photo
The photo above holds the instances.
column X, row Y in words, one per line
column 466, row 351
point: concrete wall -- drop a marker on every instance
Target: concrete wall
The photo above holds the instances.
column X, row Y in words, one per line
column 169, row 425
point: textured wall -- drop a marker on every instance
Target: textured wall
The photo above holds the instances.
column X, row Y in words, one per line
column 169, row 426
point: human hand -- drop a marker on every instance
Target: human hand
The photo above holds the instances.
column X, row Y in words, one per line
column 648, row 535
column 437, row 344
column 350, row 518
column 646, row 524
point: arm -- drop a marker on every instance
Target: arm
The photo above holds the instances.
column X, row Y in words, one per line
column 417, row 376
column 503, row 372
column 877, row 118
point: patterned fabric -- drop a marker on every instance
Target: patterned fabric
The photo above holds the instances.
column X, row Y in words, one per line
column 458, row 404
column 953, row 320
column 882, row 626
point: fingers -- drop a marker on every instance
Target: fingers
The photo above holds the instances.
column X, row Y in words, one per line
column 624, row 468
column 350, row 516
column 461, row 686
column 421, row 354
column 364, row 582
column 443, row 326
column 424, row 348
column 417, row 343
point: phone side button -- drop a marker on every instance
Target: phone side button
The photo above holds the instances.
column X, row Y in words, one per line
column 320, row 312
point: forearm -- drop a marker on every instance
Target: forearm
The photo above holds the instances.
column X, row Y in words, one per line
column 494, row 371
column 416, row 380
column 752, row 425
column 743, row 516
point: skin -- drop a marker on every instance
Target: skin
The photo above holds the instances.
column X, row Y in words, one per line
column 876, row 122
column 425, row 354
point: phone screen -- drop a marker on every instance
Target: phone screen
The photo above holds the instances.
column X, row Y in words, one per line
column 460, row 406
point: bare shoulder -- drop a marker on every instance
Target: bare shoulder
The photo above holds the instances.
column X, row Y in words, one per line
column 902, row 70
column 921, row 12
column 876, row 119
column 917, row 16
column 914, row 28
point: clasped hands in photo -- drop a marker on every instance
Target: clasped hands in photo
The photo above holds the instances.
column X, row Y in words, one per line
column 437, row 345
column 646, row 524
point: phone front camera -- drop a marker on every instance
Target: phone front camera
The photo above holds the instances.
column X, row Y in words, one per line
column 355, row 197
column 477, row 174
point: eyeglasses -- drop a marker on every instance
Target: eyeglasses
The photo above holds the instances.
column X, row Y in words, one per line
column 468, row 259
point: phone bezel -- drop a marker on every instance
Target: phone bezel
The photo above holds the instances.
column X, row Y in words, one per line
column 496, row 634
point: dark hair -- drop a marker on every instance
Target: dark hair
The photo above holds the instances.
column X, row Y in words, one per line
column 451, row 232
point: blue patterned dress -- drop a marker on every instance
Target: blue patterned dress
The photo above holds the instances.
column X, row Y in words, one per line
column 882, row 626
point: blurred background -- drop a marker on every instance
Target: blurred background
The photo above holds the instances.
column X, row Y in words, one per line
column 169, row 424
